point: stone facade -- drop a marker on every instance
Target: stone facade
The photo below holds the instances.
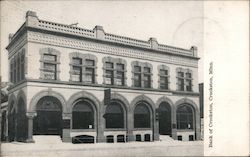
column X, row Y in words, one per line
column 38, row 37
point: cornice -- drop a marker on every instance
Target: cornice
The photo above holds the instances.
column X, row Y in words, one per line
column 100, row 47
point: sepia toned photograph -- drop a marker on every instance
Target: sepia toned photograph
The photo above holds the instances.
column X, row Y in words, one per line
column 107, row 78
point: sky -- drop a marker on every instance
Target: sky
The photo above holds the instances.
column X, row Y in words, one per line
column 175, row 23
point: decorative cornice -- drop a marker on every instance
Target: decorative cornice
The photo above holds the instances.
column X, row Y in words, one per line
column 99, row 47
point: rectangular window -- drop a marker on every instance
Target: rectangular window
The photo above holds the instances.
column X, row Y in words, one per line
column 188, row 81
column 15, row 70
column 22, row 66
column 77, row 70
column 163, row 79
column 109, row 73
column 147, row 77
column 137, row 76
column 180, row 81
column 147, row 80
column 120, row 79
column 90, row 75
column 50, row 67
column 109, row 77
column 90, row 71
column 12, row 71
column 49, row 71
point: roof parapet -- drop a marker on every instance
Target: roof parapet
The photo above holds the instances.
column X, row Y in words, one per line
column 194, row 49
column 153, row 42
column 100, row 34
column 31, row 19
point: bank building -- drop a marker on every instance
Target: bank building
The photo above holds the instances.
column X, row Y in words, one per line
column 90, row 86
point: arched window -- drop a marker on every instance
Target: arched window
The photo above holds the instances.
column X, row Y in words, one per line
column 114, row 116
column 83, row 115
column 185, row 117
column 141, row 116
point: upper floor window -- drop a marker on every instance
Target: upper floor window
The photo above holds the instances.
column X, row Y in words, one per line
column 77, row 70
column 164, row 78
column 184, row 80
column 49, row 64
column 114, row 71
column 188, row 81
column 180, row 81
column 142, row 73
column 17, row 67
column 83, row 67
column 137, row 76
column 90, row 71
column 109, row 73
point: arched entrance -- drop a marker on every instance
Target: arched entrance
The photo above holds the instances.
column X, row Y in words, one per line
column 49, row 117
column 22, row 122
column 164, row 112
column 12, row 122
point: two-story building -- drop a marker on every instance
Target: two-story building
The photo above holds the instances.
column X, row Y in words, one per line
column 92, row 86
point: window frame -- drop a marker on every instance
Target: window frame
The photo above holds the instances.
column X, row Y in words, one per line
column 56, row 62
column 119, row 75
column 143, row 74
column 84, row 66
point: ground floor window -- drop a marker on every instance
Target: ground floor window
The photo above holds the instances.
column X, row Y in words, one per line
column 141, row 116
column 114, row 116
column 83, row 115
column 185, row 117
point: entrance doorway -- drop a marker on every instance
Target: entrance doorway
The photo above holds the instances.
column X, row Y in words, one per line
column 165, row 119
column 49, row 117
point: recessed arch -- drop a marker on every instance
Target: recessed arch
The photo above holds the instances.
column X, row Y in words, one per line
column 83, row 94
column 143, row 98
column 41, row 94
column 164, row 99
column 187, row 101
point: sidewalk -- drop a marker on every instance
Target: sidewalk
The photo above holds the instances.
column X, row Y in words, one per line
column 50, row 149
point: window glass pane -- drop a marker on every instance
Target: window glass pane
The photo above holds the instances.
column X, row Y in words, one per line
column 77, row 61
column 146, row 70
column 147, row 81
column 137, row 80
column 137, row 69
column 109, row 65
column 181, row 84
column 120, row 67
column 90, row 62
column 49, row 57
column 120, row 78
column 77, row 69
column 49, row 66
column 90, row 75
column 188, row 75
column 109, row 77
column 180, row 74
column 76, row 77
column 163, row 72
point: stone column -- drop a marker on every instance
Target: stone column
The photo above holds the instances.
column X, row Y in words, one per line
column 101, row 124
column 30, row 116
column 156, row 135
column 130, row 126
column 66, row 127
column 174, row 124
